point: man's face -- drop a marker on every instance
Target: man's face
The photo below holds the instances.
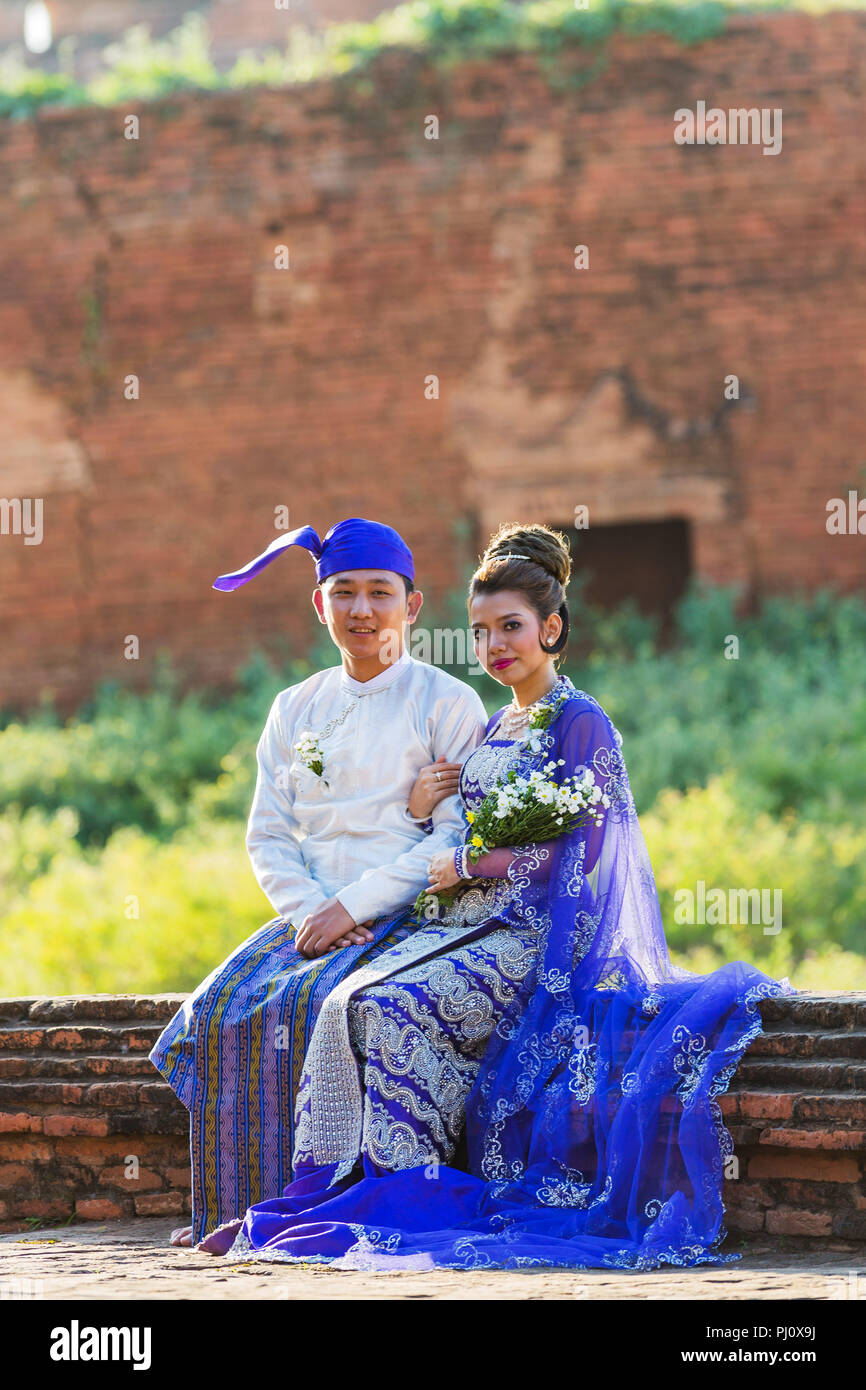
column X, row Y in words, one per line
column 365, row 611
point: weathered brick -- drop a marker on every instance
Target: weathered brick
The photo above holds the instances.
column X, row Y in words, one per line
column 66, row 1038
column 25, row 1150
column 815, row 1138
column 99, row 1209
column 766, row 1105
column 823, row 1168
column 178, row 1177
column 111, row 1093
column 55, row 1210
column 13, row 1039
column 114, row 1008
column 850, row 1224
column 20, row 1123
column 157, row 1093
column 29, row 1093
column 738, row 1193
column 75, row 1124
column 788, row 1221
column 158, row 1203
column 833, row 1107
column 744, row 1219
column 803, row 1192
column 141, row 1182
column 12, row 1174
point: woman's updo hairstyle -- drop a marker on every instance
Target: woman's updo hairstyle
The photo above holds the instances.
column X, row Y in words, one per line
column 535, row 561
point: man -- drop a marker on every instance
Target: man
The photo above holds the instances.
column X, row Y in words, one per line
column 336, row 852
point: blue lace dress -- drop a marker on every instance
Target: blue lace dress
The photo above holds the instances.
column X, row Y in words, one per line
column 529, row 1080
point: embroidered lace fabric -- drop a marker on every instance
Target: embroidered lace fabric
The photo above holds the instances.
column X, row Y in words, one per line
column 581, row 1065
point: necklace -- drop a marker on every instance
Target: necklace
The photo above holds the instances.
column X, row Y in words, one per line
column 515, row 718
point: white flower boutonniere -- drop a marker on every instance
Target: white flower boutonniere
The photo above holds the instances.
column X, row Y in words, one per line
column 309, row 744
column 309, row 752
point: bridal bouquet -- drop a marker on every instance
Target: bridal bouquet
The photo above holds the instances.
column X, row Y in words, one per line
column 522, row 811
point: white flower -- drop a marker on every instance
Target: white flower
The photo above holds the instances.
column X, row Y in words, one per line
column 309, row 752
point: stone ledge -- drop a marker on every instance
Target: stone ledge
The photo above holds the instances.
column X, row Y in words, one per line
column 90, row 1131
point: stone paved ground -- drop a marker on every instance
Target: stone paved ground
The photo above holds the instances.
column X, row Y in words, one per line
column 132, row 1259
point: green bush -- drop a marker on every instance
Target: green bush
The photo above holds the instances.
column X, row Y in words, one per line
column 747, row 773
column 139, row 916
column 819, row 870
column 142, row 759
column 789, row 714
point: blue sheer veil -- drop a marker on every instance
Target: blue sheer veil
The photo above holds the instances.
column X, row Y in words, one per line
column 597, row 1090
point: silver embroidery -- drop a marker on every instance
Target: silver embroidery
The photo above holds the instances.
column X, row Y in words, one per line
column 689, row 1062
column 572, row 1191
column 330, row 1093
column 475, row 904
column 488, row 764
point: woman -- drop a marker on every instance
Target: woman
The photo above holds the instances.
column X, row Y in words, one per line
column 541, row 1011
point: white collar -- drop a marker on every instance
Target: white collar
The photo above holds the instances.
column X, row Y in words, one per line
column 380, row 682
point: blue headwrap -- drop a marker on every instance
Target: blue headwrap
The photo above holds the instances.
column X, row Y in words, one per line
column 354, row 544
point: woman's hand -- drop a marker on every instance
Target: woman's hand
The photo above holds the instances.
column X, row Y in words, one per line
column 433, row 783
column 441, row 871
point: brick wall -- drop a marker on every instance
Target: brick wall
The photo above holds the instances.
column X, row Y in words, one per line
column 305, row 387
column 796, row 1111
column 88, row 1127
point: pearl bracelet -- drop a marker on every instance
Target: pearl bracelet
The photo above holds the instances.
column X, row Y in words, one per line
column 461, row 862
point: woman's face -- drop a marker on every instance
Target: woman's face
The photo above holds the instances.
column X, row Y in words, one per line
column 508, row 635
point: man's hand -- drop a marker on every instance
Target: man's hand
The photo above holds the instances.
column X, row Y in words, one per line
column 324, row 927
column 441, row 871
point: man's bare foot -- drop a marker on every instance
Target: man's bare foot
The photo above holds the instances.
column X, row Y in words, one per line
column 181, row 1236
